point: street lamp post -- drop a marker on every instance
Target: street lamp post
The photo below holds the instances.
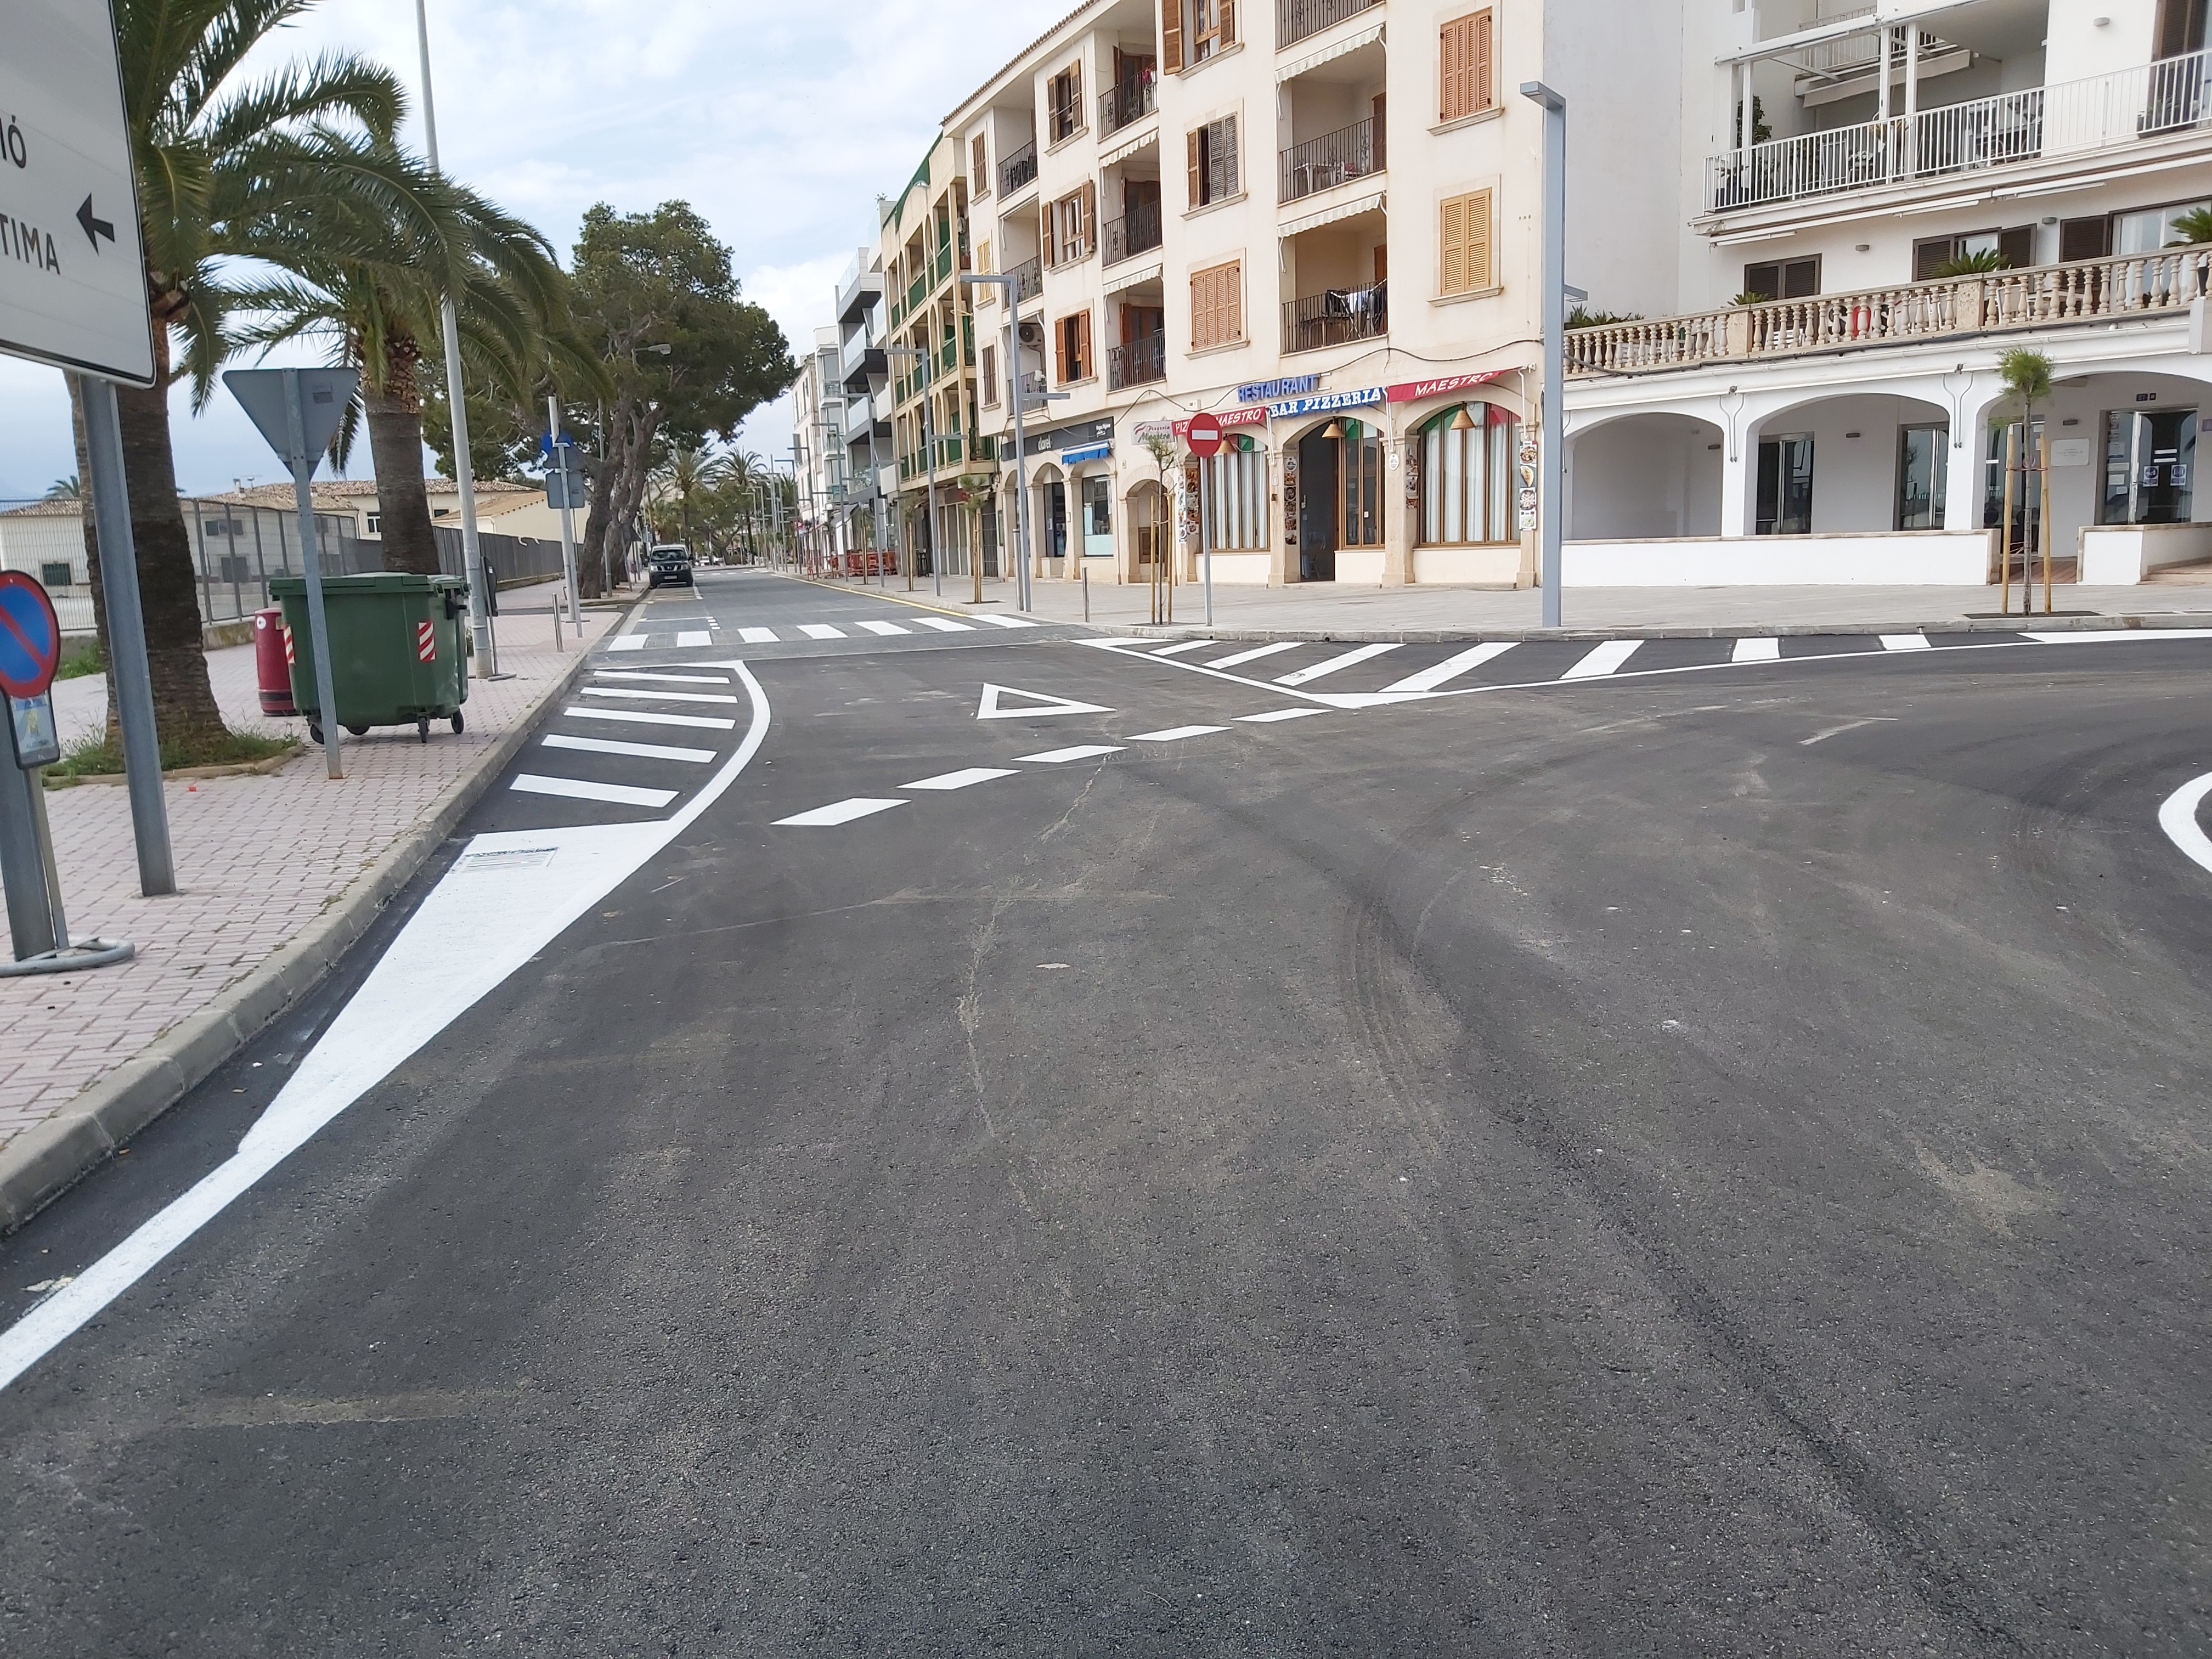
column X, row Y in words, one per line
column 1006, row 284
column 929, row 451
column 1552, row 479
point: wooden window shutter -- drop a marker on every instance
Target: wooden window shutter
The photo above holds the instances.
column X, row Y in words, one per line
column 1481, row 92
column 1225, row 140
column 1089, row 206
column 1201, row 310
column 1059, row 352
column 2085, row 239
column 981, row 171
column 2018, row 246
column 1479, row 263
column 1451, row 241
column 1197, row 172
column 1082, row 353
column 1172, row 35
column 1227, row 24
column 1232, row 302
column 1457, row 48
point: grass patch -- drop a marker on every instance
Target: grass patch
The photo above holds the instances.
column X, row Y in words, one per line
column 80, row 657
column 89, row 756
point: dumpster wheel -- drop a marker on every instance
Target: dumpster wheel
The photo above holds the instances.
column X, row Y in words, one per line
column 459, row 725
column 315, row 731
column 423, row 728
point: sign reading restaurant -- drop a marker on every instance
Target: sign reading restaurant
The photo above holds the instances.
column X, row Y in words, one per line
column 1268, row 392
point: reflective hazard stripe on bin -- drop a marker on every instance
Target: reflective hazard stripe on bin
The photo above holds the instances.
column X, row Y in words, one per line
column 289, row 658
column 426, row 642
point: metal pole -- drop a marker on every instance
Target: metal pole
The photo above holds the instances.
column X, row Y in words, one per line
column 929, row 446
column 1021, row 458
column 567, row 525
column 45, row 831
column 1553, row 477
column 31, row 921
column 1205, row 541
column 2012, row 459
column 480, row 624
column 126, row 637
column 311, row 563
column 2043, row 521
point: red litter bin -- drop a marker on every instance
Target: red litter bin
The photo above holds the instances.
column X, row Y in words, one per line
column 272, row 660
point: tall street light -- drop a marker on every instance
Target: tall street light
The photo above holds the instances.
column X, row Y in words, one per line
column 1021, row 460
column 929, row 449
column 1551, row 460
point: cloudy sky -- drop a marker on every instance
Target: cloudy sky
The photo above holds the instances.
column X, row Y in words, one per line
column 781, row 125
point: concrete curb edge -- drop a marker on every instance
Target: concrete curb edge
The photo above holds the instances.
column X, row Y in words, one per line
column 44, row 1162
column 1789, row 630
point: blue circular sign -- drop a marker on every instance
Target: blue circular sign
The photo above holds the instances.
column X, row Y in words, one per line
column 30, row 636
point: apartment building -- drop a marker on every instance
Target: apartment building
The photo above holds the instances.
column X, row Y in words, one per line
column 866, row 506
column 818, row 452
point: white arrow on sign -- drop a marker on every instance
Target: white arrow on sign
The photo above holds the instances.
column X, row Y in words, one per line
column 1039, row 705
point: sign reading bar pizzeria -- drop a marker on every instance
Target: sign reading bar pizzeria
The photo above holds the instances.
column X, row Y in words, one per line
column 1327, row 400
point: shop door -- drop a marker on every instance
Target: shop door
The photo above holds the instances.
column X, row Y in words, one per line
column 1318, row 507
column 1055, row 520
column 2150, row 466
column 1785, row 486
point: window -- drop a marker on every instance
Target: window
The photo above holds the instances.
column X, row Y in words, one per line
column 1785, row 486
column 54, row 575
column 376, row 524
column 2151, row 229
column 1097, row 506
column 1065, row 97
column 1073, row 228
column 1213, row 158
column 1362, row 472
column 2085, row 239
column 979, row 172
column 1937, row 257
column 1463, row 243
column 1216, row 306
column 2180, row 27
column 1213, row 28
column 990, row 376
column 1232, row 486
column 1922, row 467
column 1468, row 478
column 1465, row 44
column 1784, row 279
column 2150, row 457
column 1072, row 347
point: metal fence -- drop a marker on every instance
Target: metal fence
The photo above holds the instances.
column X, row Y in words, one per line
column 236, row 550
column 515, row 561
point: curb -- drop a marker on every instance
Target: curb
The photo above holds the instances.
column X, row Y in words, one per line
column 44, row 1162
column 1786, row 630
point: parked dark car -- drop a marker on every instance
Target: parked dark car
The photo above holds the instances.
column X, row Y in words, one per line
column 669, row 563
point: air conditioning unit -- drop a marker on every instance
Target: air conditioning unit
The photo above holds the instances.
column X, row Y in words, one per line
column 1032, row 332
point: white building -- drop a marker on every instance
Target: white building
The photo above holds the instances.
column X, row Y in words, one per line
column 819, row 449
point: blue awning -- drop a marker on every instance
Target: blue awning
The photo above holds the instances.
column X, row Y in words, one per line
column 1091, row 452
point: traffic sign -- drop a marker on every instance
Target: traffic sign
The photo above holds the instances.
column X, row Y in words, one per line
column 1205, row 437
column 30, row 636
column 324, row 395
column 68, row 199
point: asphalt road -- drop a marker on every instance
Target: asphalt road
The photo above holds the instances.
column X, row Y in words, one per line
column 1703, row 1161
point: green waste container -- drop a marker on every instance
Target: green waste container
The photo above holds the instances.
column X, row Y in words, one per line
column 399, row 647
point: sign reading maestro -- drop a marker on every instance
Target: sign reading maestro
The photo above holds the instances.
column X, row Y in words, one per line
column 72, row 270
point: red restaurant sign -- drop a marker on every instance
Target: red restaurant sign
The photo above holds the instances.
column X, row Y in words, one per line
column 1251, row 415
column 1412, row 391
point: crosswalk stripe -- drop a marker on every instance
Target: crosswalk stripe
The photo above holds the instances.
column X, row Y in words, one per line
column 1307, row 675
column 1905, row 642
column 1274, row 714
column 691, row 636
column 1605, row 659
column 1254, row 654
column 1081, row 752
column 650, row 717
column 963, row 779
column 615, row 746
column 1188, row 645
column 843, row 812
column 885, row 627
column 821, row 631
column 1450, row 668
column 1004, row 622
column 648, row 674
column 946, row 625
column 757, row 635
column 657, row 697
column 628, row 642
column 1176, row 733
column 577, row 789
column 1757, row 651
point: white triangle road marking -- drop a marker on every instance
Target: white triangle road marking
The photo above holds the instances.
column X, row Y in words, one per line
column 1038, row 704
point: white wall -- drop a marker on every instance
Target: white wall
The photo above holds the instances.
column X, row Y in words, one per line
column 2076, row 48
column 1623, row 134
column 1649, row 475
column 1917, row 558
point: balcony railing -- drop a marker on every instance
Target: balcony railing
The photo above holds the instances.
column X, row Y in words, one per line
column 1017, row 169
column 1135, row 232
column 1296, row 19
column 1119, row 105
column 2087, row 292
column 1029, row 279
column 1331, row 159
column 1336, row 317
column 941, row 266
column 916, row 290
column 1141, row 361
column 954, row 452
column 2035, row 123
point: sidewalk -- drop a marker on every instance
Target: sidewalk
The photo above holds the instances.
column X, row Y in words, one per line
column 258, row 859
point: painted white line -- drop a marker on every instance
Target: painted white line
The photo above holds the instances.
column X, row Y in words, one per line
column 1081, row 752
column 626, row 643
column 1905, row 642
column 1256, row 653
column 648, row 674
column 885, row 627
column 1450, row 668
column 617, row 746
column 1759, row 650
column 508, row 897
column 1604, row 660
column 657, row 696
column 1036, row 704
column 1004, row 622
column 1187, row 644
column 577, row 789
column 757, row 635
column 1273, row 714
column 648, row 717
column 843, row 811
column 963, row 780
column 945, row 624
column 1306, row 676
column 2103, row 634
column 2177, row 817
column 1176, row 733
column 821, row 631
column 691, row 636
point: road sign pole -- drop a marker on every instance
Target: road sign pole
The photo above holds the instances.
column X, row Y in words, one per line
column 311, row 562
column 126, row 636
column 567, row 525
column 30, row 926
column 1552, row 500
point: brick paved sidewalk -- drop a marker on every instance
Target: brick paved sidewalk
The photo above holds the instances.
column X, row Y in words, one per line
column 257, row 857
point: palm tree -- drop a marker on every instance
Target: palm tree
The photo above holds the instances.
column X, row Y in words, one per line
column 65, row 489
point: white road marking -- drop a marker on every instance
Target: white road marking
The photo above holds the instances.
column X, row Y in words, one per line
column 648, row 717
column 843, row 811
column 489, row 915
column 648, row 674
column 1604, row 660
column 1256, row 653
column 989, row 707
column 885, row 627
column 1306, row 676
column 1848, row 726
column 578, row 789
column 963, row 780
column 945, row 624
column 615, row 746
column 1081, row 752
column 1004, row 622
column 1450, row 668
column 626, row 643
column 821, row 631
column 2177, row 817
column 691, row 636
column 1187, row 644
column 1905, row 642
column 757, row 635
column 1176, row 733
column 1760, row 650
column 2105, row 634
column 1273, row 714
column 657, row 697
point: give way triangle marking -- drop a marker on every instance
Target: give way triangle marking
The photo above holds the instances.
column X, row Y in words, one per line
column 1035, row 703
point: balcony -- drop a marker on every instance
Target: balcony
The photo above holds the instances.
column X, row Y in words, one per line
column 953, row 453
column 1333, row 158
column 1336, row 317
column 1135, row 232
column 2088, row 292
column 1296, row 19
column 1029, row 279
column 2073, row 119
column 1124, row 105
column 1140, row 362
column 1017, row 169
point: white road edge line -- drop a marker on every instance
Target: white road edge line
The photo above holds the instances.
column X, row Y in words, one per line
column 2177, row 817
column 478, row 926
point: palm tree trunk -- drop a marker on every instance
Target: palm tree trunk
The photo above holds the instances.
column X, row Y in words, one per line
column 394, row 411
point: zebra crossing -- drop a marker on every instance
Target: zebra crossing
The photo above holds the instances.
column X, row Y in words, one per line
column 881, row 628
column 600, row 748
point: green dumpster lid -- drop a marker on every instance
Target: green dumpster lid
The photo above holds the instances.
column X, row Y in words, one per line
column 374, row 581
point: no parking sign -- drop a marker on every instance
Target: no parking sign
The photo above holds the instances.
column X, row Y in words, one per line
column 30, row 636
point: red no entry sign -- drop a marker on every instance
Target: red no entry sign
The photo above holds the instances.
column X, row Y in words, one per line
column 1205, row 435
column 30, row 636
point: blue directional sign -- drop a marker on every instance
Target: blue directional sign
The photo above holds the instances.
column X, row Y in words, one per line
column 30, row 636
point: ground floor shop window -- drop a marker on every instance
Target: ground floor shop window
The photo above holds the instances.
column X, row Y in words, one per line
column 1233, row 496
column 1785, row 485
column 1361, row 469
column 1467, row 477
column 1923, row 466
column 2150, row 466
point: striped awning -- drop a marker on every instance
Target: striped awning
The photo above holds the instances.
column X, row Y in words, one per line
column 1151, row 273
column 1330, row 216
column 1123, row 152
column 1349, row 43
